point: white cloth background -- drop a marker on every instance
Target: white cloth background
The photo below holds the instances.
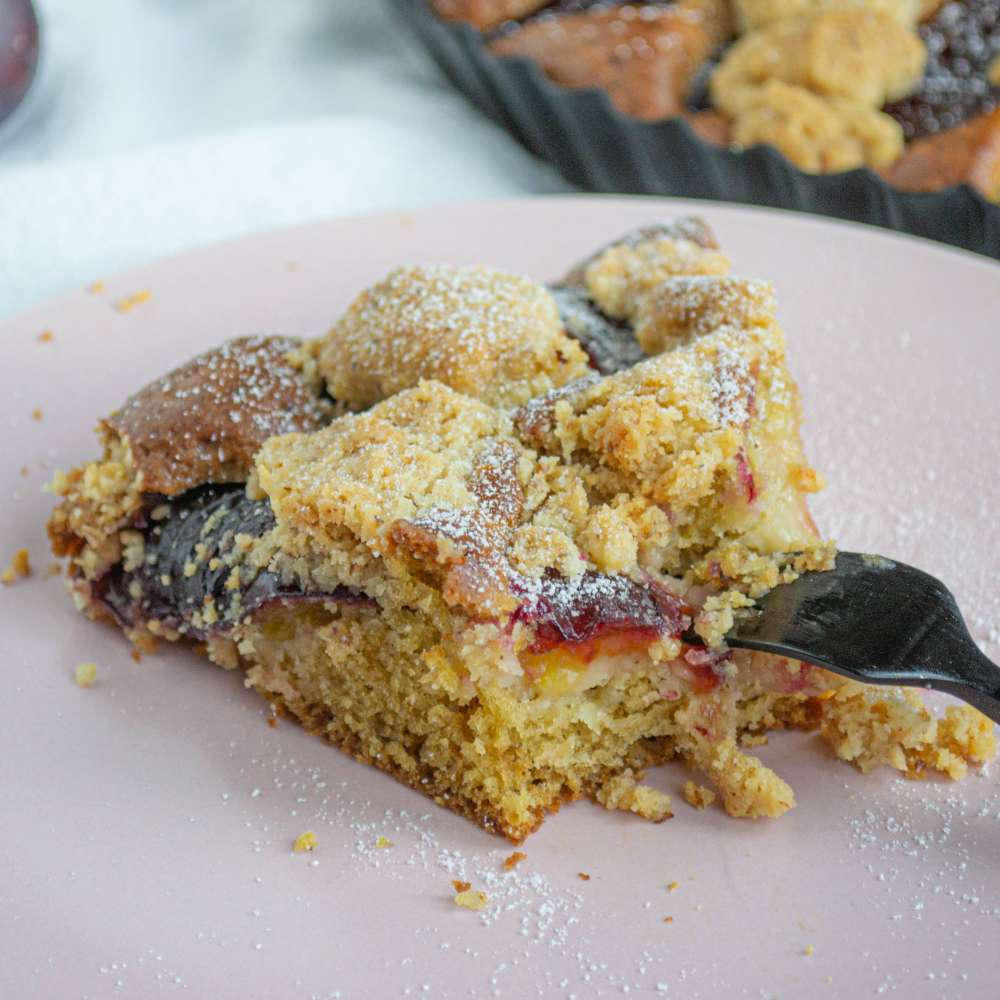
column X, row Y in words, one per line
column 158, row 125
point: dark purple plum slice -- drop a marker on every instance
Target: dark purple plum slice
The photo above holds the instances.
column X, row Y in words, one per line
column 196, row 529
column 574, row 610
column 18, row 52
column 611, row 346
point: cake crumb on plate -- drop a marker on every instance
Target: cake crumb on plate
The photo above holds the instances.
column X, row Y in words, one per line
column 472, row 899
column 85, row 674
column 129, row 302
column 698, row 795
column 304, row 842
column 20, row 566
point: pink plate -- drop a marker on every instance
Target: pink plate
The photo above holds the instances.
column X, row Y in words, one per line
column 146, row 823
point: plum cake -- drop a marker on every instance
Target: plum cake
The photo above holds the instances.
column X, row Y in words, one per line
column 488, row 535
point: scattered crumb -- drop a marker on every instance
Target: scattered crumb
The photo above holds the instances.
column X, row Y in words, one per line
column 36, row 413
column 753, row 740
column 272, row 721
column 473, row 899
column 85, row 674
column 95, row 287
column 515, row 859
column 583, row 876
column 136, row 655
column 129, row 302
column 20, row 566
column 55, row 568
column 668, row 920
column 25, row 470
column 46, row 337
column 623, row 791
column 673, row 886
column 808, row 950
column 304, row 842
column 698, row 795
column 460, row 886
column 383, row 842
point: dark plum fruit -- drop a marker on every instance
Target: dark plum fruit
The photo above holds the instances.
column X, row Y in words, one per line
column 610, row 345
column 18, row 52
column 187, row 540
column 593, row 605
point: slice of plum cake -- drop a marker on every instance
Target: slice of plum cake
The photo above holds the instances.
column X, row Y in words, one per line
column 464, row 534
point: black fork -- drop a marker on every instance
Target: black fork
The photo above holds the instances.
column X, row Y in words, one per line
column 875, row 620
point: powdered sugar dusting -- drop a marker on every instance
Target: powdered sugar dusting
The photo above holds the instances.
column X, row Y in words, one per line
column 204, row 421
column 731, row 387
column 488, row 333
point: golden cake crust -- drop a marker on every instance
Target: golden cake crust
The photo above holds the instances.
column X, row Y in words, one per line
column 205, row 421
column 484, row 332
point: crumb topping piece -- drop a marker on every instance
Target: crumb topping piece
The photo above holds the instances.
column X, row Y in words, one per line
column 486, row 333
column 813, row 86
column 680, row 309
column 20, row 566
column 686, row 228
column 85, row 674
column 129, row 302
column 205, row 421
column 304, row 842
column 754, row 14
column 469, row 545
column 697, row 795
column 472, row 899
column 619, row 277
column 623, row 791
column 871, row 726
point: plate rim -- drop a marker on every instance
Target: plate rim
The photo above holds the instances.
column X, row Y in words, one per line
column 691, row 205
